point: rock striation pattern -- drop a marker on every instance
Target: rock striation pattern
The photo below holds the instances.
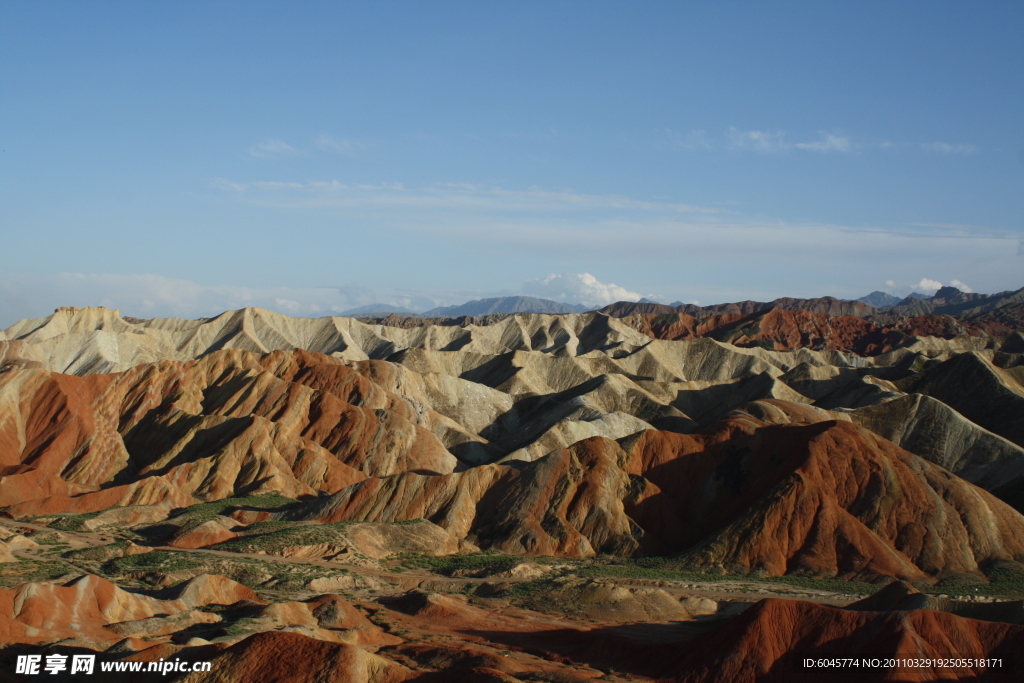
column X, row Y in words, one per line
column 571, row 435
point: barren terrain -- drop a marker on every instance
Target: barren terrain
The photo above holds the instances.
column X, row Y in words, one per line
column 527, row 498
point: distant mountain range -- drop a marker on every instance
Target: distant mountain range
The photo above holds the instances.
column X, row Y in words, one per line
column 504, row 304
column 825, row 304
column 377, row 311
column 951, row 301
column 880, row 299
column 947, row 300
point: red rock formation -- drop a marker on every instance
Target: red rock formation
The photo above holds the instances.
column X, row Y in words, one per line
column 45, row 612
column 782, row 329
column 209, row 589
column 233, row 422
column 276, row 657
column 825, row 499
column 766, row 642
column 826, row 304
column 203, row 535
column 819, row 497
column 568, row 503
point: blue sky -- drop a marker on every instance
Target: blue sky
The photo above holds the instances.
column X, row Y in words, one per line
column 185, row 158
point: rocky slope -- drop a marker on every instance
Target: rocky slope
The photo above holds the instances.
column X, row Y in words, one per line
column 537, row 435
column 765, row 641
column 952, row 301
column 759, row 443
column 825, row 499
column 230, row 423
column 781, row 329
column 822, row 499
column 826, row 304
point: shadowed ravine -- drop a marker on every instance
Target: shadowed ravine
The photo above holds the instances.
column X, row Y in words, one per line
column 538, row 498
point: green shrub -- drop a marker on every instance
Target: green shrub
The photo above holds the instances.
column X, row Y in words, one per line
column 97, row 553
column 478, row 562
column 281, row 535
column 26, row 571
column 72, row 522
column 192, row 516
column 158, row 560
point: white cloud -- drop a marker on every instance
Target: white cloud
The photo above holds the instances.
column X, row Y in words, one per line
column 964, row 228
column 224, row 184
column 946, row 148
column 147, row 295
column 478, row 215
column 442, row 196
column 757, row 140
column 291, row 305
column 578, row 288
column 617, row 233
column 770, row 142
column 827, row 143
column 150, row 295
column 924, row 286
column 270, row 149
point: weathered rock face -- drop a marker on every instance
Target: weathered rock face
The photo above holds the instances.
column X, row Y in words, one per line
column 566, row 435
column 567, row 503
column 276, row 657
column 93, row 340
column 825, row 499
column 782, row 329
column 9, row 543
column 379, row 541
column 764, row 642
column 207, row 533
column 983, row 392
column 561, row 435
column 209, row 589
column 900, row 595
column 163, row 625
column 45, row 612
column 332, row 611
column 230, row 423
column 930, row 428
column 826, row 304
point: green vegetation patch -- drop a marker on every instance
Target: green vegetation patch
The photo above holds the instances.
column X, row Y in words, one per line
column 24, row 571
column 274, row 537
column 194, row 515
column 482, row 563
column 671, row 569
column 257, row 574
column 241, row 626
column 547, row 595
column 665, row 319
column 100, row 553
column 72, row 522
column 1005, row 580
column 158, row 560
